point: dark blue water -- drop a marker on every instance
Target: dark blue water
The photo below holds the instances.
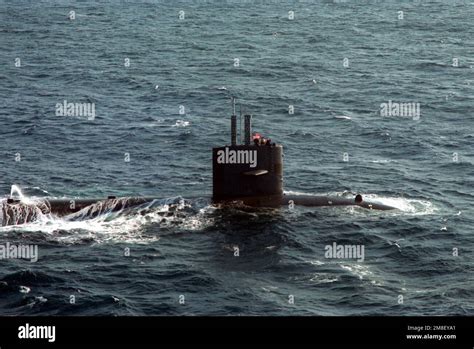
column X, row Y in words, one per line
column 185, row 246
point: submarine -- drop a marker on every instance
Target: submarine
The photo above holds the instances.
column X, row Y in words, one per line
column 250, row 173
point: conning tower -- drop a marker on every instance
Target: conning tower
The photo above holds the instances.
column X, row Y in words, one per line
column 251, row 172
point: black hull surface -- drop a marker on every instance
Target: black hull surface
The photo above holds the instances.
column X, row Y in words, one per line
column 16, row 212
column 323, row 200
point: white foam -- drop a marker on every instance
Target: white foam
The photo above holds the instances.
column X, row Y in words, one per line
column 24, row 289
column 323, row 278
column 181, row 123
column 15, row 192
column 317, row 262
column 342, row 117
column 408, row 206
column 383, row 161
column 358, row 270
column 126, row 225
column 363, row 272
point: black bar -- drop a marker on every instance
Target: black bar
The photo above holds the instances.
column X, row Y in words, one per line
column 335, row 330
column 233, row 129
column 248, row 128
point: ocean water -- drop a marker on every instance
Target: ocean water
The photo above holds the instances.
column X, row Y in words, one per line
column 161, row 82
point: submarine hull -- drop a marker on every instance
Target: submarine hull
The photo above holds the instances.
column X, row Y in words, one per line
column 64, row 207
column 323, row 200
column 15, row 212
